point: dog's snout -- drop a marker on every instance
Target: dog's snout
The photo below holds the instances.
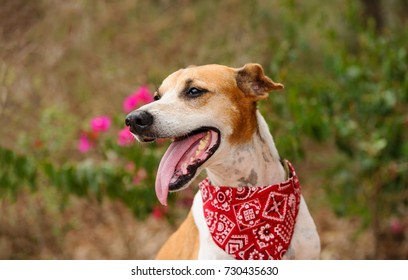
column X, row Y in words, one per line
column 139, row 120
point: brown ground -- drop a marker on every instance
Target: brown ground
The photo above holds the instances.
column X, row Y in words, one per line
column 88, row 230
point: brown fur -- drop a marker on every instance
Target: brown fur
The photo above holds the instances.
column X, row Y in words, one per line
column 241, row 88
column 183, row 244
column 252, row 81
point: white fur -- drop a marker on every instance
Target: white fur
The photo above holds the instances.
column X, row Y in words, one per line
column 305, row 242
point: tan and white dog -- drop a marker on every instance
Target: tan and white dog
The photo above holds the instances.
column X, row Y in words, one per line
column 210, row 113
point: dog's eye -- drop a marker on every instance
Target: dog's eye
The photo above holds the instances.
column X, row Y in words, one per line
column 194, row 92
column 156, row 97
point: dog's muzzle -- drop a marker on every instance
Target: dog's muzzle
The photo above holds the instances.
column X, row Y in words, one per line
column 139, row 121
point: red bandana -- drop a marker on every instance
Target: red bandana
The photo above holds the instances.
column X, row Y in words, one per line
column 252, row 222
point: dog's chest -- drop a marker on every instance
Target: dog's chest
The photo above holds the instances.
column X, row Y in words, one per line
column 247, row 222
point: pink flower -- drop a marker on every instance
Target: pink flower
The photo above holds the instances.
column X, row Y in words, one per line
column 125, row 138
column 100, row 124
column 141, row 96
column 158, row 212
column 140, row 176
column 396, row 226
column 85, row 143
column 130, row 167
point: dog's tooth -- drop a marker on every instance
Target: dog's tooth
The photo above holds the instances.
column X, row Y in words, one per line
column 184, row 167
column 201, row 146
column 203, row 143
column 197, row 153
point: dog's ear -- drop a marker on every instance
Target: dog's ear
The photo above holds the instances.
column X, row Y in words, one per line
column 251, row 80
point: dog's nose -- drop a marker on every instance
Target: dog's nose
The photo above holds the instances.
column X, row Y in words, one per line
column 139, row 120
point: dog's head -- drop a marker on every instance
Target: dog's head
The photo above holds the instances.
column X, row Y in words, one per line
column 204, row 110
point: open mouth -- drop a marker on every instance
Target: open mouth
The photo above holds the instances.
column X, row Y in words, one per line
column 182, row 159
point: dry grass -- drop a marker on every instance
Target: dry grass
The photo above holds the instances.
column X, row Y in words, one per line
column 33, row 228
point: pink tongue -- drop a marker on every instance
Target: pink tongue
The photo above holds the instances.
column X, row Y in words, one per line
column 169, row 162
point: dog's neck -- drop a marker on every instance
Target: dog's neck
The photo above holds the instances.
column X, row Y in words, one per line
column 255, row 163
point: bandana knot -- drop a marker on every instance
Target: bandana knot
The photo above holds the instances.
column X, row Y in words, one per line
column 252, row 223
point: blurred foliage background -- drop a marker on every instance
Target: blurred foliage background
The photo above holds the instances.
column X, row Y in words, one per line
column 342, row 119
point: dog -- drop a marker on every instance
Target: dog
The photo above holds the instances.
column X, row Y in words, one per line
column 250, row 206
